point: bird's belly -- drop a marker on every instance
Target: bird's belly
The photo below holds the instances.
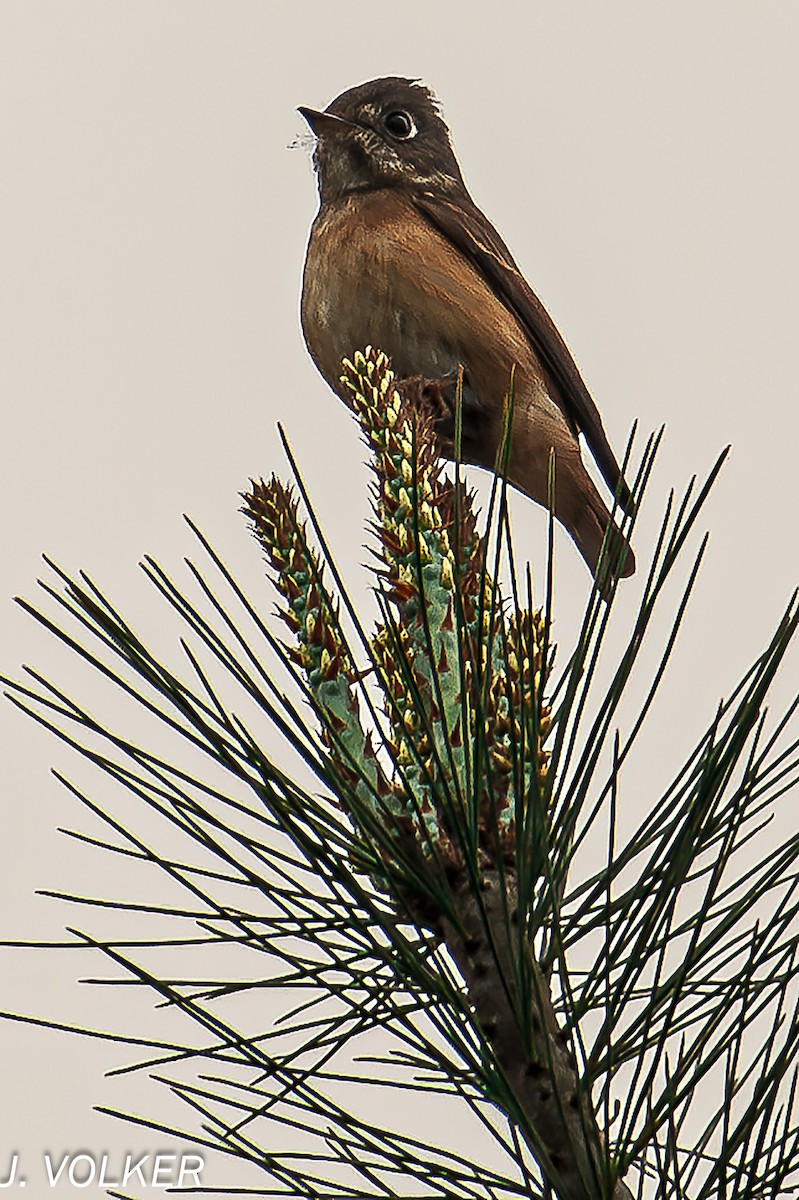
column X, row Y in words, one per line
column 357, row 301
column 386, row 280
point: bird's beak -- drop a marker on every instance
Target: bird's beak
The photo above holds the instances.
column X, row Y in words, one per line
column 323, row 122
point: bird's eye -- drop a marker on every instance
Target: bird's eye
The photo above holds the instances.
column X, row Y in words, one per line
column 400, row 125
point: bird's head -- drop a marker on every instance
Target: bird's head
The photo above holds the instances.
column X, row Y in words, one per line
column 386, row 133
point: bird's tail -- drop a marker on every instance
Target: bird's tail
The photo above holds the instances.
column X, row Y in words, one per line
column 602, row 544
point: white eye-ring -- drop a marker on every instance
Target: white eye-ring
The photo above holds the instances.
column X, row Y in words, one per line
column 400, row 125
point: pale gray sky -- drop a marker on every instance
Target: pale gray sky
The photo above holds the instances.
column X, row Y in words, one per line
column 641, row 162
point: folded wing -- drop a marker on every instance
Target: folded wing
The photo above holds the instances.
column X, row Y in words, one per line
column 465, row 226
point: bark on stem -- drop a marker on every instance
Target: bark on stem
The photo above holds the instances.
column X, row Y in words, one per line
column 536, row 1062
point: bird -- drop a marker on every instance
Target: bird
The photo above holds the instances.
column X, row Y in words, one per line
column 400, row 257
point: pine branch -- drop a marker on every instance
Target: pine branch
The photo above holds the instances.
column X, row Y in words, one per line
column 439, row 892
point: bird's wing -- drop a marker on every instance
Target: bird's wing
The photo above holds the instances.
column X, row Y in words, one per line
column 465, row 226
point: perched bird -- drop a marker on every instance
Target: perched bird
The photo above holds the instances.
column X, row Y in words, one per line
column 400, row 257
